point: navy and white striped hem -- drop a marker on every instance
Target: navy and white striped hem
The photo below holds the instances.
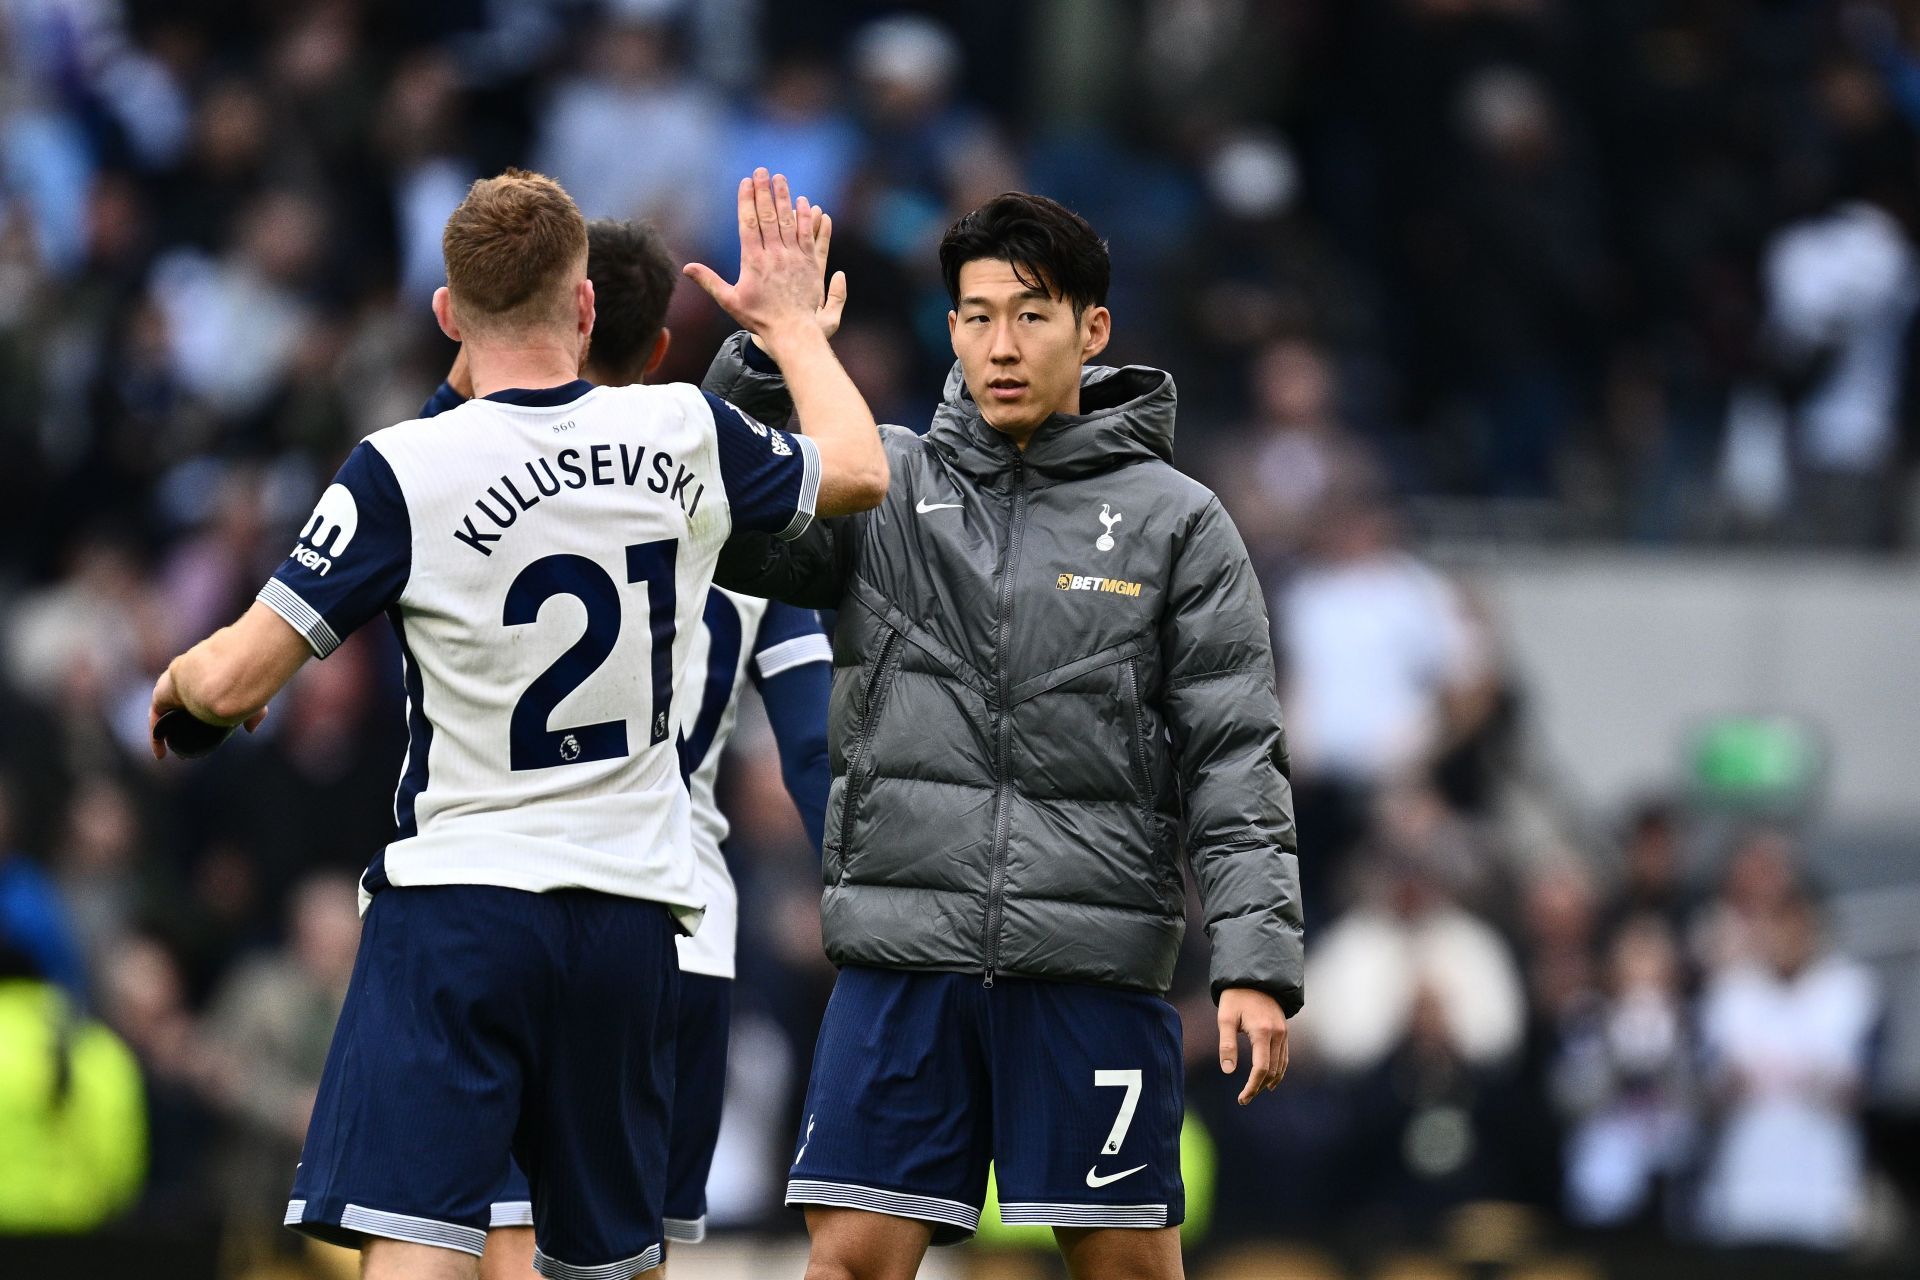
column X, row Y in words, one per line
column 788, row 654
column 1084, row 1215
column 359, row 1220
column 511, row 1213
column 300, row 615
column 809, row 488
column 625, row 1269
column 686, row 1230
column 899, row 1204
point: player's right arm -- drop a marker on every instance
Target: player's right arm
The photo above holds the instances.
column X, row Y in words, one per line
column 777, row 298
column 228, row 678
column 350, row 564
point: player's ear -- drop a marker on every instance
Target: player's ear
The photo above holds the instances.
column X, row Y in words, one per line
column 443, row 313
column 953, row 329
column 659, row 355
column 1096, row 326
column 583, row 306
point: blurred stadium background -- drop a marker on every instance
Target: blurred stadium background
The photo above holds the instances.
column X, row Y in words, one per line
column 1556, row 359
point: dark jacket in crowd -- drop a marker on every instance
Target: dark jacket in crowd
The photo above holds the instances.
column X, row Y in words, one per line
column 1052, row 672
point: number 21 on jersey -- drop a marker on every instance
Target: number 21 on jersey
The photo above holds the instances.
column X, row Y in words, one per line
column 533, row 745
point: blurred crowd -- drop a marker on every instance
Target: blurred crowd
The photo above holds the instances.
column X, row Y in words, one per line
column 1469, row 267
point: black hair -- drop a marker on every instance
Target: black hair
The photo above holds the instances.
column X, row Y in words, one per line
column 1049, row 246
column 633, row 277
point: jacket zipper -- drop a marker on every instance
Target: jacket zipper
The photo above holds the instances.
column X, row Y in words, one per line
column 876, row 692
column 1140, row 758
column 1003, row 780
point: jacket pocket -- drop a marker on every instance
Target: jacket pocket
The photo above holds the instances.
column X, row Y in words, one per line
column 858, row 753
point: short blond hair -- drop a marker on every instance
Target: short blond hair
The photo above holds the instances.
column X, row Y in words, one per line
column 514, row 249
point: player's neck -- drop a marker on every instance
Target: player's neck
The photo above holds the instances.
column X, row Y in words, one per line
column 527, row 365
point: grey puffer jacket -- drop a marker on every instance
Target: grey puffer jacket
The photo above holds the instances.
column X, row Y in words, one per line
column 1052, row 671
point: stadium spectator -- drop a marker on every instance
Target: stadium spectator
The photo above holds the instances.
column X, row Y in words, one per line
column 143, row 999
column 1382, row 660
column 72, row 1127
column 1382, row 669
column 1407, row 950
column 80, row 636
column 1758, row 879
column 1652, row 880
column 629, row 85
column 208, row 574
column 799, row 116
column 1625, row 1081
column 316, row 793
column 236, row 321
column 265, row 1035
column 421, row 140
column 1813, row 439
column 1426, row 1134
column 1785, row 1038
column 916, row 132
column 1298, row 458
column 33, row 915
column 1561, row 944
column 100, row 868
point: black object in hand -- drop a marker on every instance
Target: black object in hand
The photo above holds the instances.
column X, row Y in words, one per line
column 188, row 735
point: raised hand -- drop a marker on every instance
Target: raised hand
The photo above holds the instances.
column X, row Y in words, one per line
column 828, row 316
column 782, row 285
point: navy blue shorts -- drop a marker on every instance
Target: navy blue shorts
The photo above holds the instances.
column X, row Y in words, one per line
column 1072, row 1092
column 699, row 1090
column 483, row 1022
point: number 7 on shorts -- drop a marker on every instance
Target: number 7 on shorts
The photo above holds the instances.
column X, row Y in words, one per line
column 1130, row 1080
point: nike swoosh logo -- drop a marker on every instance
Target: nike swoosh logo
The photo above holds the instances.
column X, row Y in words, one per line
column 923, row 506
column 1095, row 1180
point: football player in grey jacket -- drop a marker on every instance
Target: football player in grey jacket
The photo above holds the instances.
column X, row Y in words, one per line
column 1053, row 678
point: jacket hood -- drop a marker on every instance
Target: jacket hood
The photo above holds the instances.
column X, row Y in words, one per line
column 1127, row 416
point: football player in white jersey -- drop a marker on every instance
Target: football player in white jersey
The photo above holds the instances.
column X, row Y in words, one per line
column 544, row 553
column 780, row 647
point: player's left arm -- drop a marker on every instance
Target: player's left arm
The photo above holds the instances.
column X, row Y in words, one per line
column 793, row 669
column 350, row 564
column 1223, row 717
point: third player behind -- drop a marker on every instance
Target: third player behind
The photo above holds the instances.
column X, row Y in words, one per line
column 1053, row 676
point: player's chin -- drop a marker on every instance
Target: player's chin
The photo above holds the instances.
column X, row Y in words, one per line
column 1014, row 418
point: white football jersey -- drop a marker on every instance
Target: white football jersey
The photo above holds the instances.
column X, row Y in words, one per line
column 742, row 638
column 545, row 557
